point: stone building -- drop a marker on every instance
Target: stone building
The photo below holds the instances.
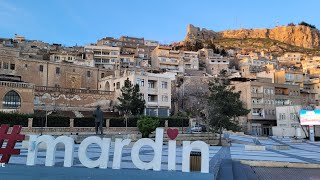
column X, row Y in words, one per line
column 164, row 58
column 262, row 97
column 156, row 89
column 16, row 95
column 56, row 85
column 104, row 56
column 214, row 63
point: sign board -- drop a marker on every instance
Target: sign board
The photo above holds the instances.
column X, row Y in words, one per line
column 308, row 117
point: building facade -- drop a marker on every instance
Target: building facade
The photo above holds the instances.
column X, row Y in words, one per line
column 156, row 90
column 262, row 97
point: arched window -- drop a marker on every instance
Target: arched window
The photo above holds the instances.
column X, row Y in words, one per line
column 11, row 100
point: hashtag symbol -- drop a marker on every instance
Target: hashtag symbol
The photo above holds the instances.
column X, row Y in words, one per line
column 12, row 138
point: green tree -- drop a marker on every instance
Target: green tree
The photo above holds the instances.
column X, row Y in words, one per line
column 224, row 105
column 307, row 24
column 131, row 101
column 147, row 125
column 223, row 52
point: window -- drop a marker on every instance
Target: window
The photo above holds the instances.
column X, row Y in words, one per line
column 151, row 84
column 282, row 116
column 165, row 98
column 88, row 74
column 25, row 65
column 293, row 116
column 5, row 65
column 118, row 85
column 73, row 70
column 140, row 82
column 102, row 75
column 11, row 100
column 164, row 85
column 41, row 68
column 56, row 58
column 57, row 70
column 69, row 58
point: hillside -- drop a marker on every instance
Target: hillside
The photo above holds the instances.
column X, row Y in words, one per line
column 297, row 38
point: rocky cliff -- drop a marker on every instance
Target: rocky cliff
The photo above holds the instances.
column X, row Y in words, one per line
column 301, row 36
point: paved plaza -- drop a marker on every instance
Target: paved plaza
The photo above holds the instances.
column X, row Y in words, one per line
column 225, row 160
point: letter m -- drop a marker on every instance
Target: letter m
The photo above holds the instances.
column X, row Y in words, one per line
column 51, row 143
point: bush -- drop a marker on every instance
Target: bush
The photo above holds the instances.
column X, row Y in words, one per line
column 178, row 121
column 14, row 119
column 147, row 125
column 120, row 122
column 86, row 122
column 307, row 24
column 53, row 121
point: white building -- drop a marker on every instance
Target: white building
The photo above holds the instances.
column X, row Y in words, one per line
column 104, row 56
column 288, row 122
column 156, row 90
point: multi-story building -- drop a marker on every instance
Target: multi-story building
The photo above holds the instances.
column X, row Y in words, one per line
column 214, row 63
column 290, row 58
column 104, row 56
column 190, row 60
column 156, row 89
column 288, row 122
column 262, row 97
column 165, row 58
column 289, row 77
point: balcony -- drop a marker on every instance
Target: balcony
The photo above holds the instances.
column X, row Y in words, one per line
column 257, row 95
column 17, row 84
column 71, row 90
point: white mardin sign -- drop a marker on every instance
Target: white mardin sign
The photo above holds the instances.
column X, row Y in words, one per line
column 105, row 143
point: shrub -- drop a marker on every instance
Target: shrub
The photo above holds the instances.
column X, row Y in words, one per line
column 52, row 121
column 86, row 122
column 120, row 122
column 14, row 119
column 307, row 24
column 147, row 125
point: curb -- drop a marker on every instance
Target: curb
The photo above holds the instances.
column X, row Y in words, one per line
column 276, row 164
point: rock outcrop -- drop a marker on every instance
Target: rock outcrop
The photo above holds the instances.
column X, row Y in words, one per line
column 301, row 36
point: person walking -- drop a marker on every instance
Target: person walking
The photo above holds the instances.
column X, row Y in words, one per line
column 98, row 114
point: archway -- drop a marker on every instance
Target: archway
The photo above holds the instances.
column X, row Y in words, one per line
column 11, row 100
column 107, row 86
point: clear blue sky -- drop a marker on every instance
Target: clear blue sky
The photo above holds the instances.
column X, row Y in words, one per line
column 84, row 21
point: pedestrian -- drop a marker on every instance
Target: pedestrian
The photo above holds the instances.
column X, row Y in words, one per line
column 98, row 115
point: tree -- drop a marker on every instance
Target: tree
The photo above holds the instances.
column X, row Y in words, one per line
column 223, row 52
column 224, row 105
column 131, row 101
column 307, row 24
column 147, row 125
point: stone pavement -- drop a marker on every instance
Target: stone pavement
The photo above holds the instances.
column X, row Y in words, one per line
column 286, row 173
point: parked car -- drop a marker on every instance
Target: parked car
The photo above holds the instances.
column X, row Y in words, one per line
column 198, row 128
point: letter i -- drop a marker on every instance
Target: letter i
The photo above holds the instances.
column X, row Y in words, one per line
column 172, row 155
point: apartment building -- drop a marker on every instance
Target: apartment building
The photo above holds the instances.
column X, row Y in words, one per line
column 262, row 97
column 164, row 58
column 288, row 122
column 288, row 76
column 290, row 58
column 156, row 90
column 190, row 60
column 214, row 63
column 104, row 56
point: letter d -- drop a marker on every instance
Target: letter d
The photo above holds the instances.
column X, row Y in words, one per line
column 157, row 148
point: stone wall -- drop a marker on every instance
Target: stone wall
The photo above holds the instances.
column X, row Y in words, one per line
column 72, row 99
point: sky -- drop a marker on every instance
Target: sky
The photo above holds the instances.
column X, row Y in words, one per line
column 71, row 22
